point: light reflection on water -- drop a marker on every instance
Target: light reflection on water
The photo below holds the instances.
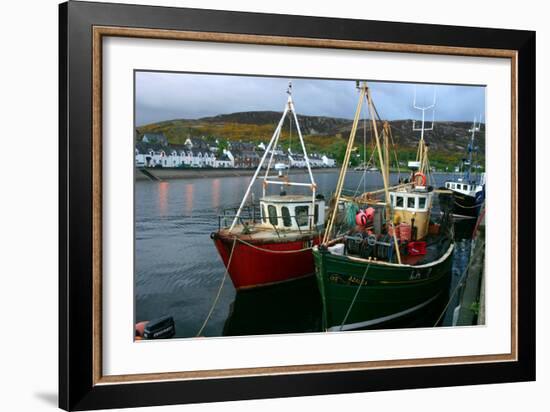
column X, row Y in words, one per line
column 178, row 271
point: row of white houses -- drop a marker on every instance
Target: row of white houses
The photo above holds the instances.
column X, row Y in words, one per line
column 298, row 161
column 154, row 151
column 181, row 158
column 196, row 158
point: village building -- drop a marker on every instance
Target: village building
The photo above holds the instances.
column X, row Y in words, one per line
column 155, row 138
column 196, row 143
column 153, row 150
column 328, row 162
column 223, row 162
column 297, row 160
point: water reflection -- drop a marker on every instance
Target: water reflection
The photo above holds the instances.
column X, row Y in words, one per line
column 286, row 308
column 163, row 198
column 216, row 186
column 189, row 190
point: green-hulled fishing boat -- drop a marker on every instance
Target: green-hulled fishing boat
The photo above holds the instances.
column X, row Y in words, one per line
column 394, row 263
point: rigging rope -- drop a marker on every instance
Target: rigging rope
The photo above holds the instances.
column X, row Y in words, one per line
column 289, row 142
column 355, row 297
column 395, row 154
column 364, row 151
column 218, row 294
column 364, row 173
column 460, row 282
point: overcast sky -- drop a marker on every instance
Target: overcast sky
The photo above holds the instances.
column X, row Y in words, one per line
column 166, row 96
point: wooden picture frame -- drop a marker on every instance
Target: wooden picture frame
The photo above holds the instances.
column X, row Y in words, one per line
column 82, row 27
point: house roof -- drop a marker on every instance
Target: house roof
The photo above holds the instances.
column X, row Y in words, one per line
column 197, row 142
column 144, row 148
column 155, row 137
column 246, row 153
column 243, row 146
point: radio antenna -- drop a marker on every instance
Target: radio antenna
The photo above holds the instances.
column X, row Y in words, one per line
column 422, row 152
column 423, row 109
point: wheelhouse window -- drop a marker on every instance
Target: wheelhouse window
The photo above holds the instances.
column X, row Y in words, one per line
column 410, row 202
column 421, row 202
column 399, row 201
column 287, row 220
column 272, row 215
column 301, row 213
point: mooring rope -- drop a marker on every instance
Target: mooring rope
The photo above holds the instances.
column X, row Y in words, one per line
column 199, row 333
column 461, row 280
column 355, row 297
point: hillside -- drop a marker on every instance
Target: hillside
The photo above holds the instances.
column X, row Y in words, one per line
column 448, row 140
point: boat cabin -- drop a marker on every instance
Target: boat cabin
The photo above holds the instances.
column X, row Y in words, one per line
column 464, row 188
column 291, row 212
column 412, row 207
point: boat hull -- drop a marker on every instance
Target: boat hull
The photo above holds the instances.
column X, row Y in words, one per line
column 267, row 263
column 468, row 206
column 388, row 293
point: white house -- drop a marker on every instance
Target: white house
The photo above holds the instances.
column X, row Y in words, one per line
column 222, row 162
column 172, row 160
column 297, row 161
column 140, row 158
column 315, row 160
column 229, row 156
column 328, row 162
column 208, row 159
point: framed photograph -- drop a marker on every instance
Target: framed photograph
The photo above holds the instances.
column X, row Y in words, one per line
column 256, row 206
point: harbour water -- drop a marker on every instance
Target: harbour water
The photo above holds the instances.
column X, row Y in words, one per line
column 178, row 271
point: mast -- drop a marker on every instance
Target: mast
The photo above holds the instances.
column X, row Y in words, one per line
column 343, row 170
column 386, row 151
column 364, row 93
column 384, row 169
column 471, row 146
column 289, row 107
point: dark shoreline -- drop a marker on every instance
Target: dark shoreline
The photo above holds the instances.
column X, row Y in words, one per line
column 165, row 174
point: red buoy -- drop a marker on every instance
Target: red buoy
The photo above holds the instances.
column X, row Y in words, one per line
column 361, row 218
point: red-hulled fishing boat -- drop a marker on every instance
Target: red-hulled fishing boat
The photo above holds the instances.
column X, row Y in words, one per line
column 274, row 245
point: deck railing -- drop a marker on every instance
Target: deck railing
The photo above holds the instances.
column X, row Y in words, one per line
column 252, row 215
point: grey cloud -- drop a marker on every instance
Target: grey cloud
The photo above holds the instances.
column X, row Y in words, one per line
column 165, row 96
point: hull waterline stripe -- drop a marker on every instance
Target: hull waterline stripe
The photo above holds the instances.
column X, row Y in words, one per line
column 371, row 322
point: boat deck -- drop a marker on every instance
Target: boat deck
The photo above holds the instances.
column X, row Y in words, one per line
column 264, row 234
column 436, row 246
